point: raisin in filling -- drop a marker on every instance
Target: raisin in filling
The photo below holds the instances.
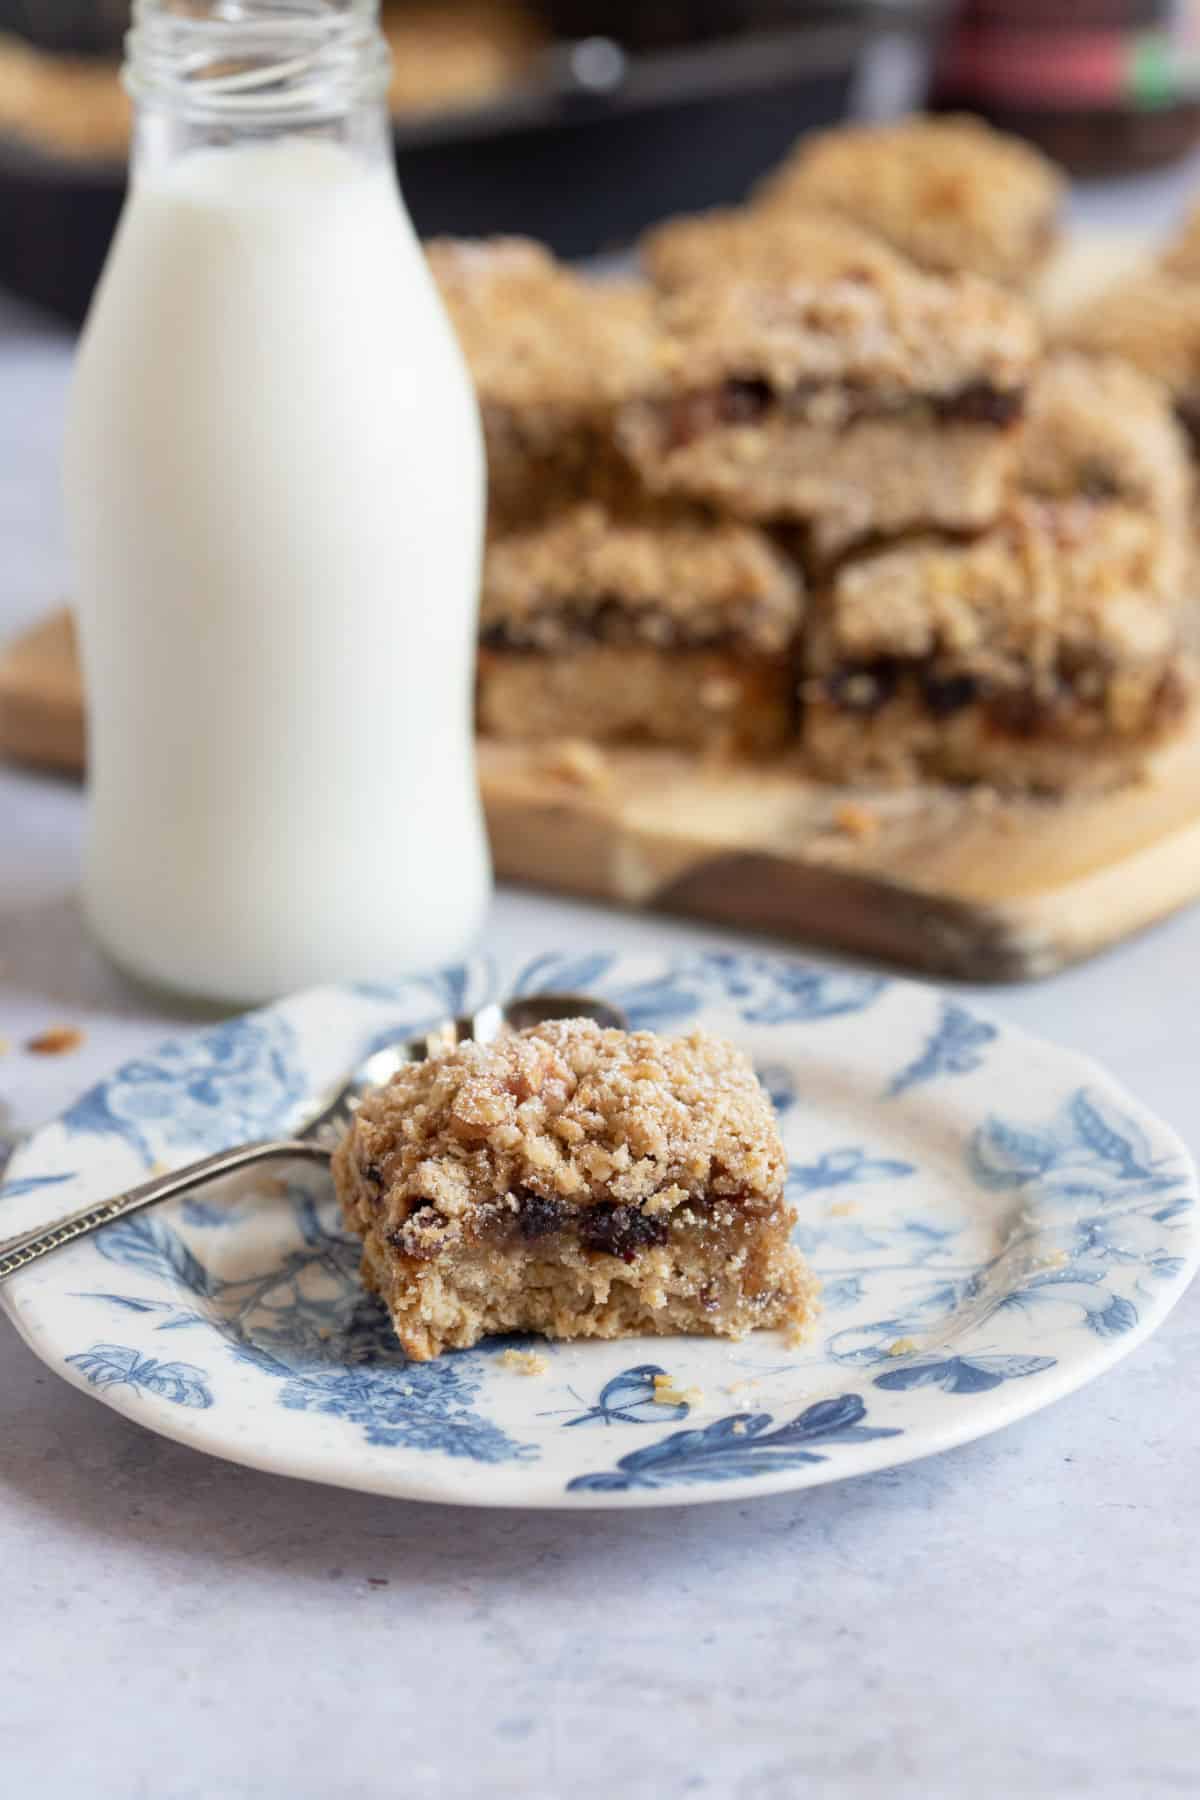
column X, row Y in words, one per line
column 537, row 1216
column 620, row 1231
column 979, row 403
column 608, row 1228
column 1020, row 712
column 945, row 695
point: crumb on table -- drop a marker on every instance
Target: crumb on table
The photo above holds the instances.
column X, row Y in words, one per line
column 56, row 1040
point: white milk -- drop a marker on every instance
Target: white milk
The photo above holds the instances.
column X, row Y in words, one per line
column 275, row 493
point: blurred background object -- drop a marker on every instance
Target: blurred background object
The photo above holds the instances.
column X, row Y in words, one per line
column 576, row 121
column 87, row 27
column 1106, row 86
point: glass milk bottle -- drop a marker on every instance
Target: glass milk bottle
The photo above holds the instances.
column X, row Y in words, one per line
column 274, row 482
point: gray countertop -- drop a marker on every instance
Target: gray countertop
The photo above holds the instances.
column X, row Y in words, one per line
column 1021, row 1616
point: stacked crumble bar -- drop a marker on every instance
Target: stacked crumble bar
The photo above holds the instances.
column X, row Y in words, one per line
column 552, row 357
column 807, row 380
column 1043, row 653
column 949, row 192
column 675, row 631
column 575, row 1182
column 605, row 615
column 816, row 481
column 1151, row 318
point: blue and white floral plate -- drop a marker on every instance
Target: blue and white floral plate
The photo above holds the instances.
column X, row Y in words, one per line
column 995, row 1221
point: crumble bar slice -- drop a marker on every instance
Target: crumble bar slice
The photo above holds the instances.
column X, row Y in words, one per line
column 1152, row 320
column 669, row 630
column 863, row 400
column 574, row 1182
column 948, row 192
column 551, row 356
column 1044, row 655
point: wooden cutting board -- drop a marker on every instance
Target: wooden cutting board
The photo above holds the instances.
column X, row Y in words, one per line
column 950, row 882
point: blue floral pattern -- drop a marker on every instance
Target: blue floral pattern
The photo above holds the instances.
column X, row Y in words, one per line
column 1096, row 1178
column 742, row 1444
column 31, row 1184
column 629, row 1399
column 976, row 1374
column 956, row 1046
column 115, row 1365
column 200, row 1094
column 763, row 990
column 307, row 1325
column 423, row 1406
column 843, row 1168
column 1007, row 1231
column 1087, row 1150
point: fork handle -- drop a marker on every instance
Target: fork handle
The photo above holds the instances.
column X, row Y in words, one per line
column 30, row 1246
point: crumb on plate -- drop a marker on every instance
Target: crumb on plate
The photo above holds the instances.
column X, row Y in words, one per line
column 667, row 1394
column 524, row 1362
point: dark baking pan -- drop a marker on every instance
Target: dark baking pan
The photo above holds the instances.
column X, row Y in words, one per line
column 604, row 141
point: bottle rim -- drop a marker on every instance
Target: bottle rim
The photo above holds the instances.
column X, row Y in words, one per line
column 234, row 60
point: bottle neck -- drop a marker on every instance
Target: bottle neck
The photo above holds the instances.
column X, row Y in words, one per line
column 219, row 73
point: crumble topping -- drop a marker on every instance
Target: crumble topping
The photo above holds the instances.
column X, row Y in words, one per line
column 565, row 1116
column 877, row 327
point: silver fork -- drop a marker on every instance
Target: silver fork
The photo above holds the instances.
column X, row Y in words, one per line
column 318, row 1131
